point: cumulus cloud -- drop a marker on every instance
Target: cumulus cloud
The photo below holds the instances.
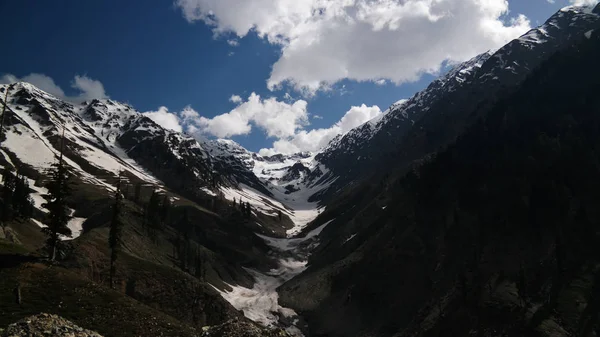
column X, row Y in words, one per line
column 277, row 119
column 166, row 119
column 316, row 139
column 324, row 41
column 233, row 43
column 285, row 122
column 86, row 87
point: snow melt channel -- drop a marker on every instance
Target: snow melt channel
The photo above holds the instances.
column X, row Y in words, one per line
column 261, row 303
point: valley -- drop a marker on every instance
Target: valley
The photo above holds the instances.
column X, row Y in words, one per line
column 465, row 210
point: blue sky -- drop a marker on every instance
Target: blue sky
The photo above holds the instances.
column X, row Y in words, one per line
column 160, row 53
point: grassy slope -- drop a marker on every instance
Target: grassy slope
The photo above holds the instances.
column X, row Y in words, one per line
column 152, row 297
column 54, row 289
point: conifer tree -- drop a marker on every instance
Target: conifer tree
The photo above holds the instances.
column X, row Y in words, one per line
column 152, row 215
column 8, row 188
column 136, row 193
column 165, row 207
column 56, row 204
column 200, row 268
column 3, row 113
column 116, row 228
column 22, row 201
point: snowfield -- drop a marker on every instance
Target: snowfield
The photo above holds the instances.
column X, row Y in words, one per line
column 261, row 303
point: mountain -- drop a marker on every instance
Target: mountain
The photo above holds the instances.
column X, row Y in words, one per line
column 216, row 198
column 490, row 234
column 450, row 218
column 114, row 137
column 169, row 268
column 437, row 114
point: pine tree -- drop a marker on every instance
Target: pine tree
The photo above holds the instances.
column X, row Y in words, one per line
column 8, row 189
column 248, row 210
column 152, row 216
column 3, row 113
column 200, row 269
column 22, row 202
column 137, row 192
column 116, row 228
column 153, row 208
column 165, row 207
column 56, row 204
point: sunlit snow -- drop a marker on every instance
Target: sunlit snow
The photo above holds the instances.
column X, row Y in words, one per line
column 261, row 303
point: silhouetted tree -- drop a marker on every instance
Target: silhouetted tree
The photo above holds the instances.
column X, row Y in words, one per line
column 9, row 180
column 22, row 201
column 136, row 193
column 165, row 208
column 116, row 229
column 59, row 213
column 248, row 210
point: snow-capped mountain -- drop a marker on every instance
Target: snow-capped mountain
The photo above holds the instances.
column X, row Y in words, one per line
column 105, row 137
column 409, row 129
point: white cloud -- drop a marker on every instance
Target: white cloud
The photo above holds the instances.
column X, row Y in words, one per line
column 41, row 81
column 86, row 87
column 583, row 2
column 316, row 139
column 233, row 43
column 235, row 99
column 277, row 119
column 280, row 120
column 324, row 41
column 380, row 81
column 164, row 118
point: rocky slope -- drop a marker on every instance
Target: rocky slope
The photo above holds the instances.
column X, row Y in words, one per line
column 491, row 236
column 46, row 325
column 437, row 114
column 373, row 243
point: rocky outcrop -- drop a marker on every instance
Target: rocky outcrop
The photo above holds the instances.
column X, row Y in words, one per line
column 9, row 234
column 46, row 325
column 240, row 328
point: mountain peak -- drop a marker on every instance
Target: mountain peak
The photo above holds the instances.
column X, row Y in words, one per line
column 588, row 9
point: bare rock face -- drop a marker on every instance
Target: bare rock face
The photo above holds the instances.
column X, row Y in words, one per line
column 43, row 325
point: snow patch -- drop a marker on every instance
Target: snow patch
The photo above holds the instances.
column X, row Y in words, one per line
column 76, row 226
column 350, row 238
column 261, row 303
column 588, row 34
